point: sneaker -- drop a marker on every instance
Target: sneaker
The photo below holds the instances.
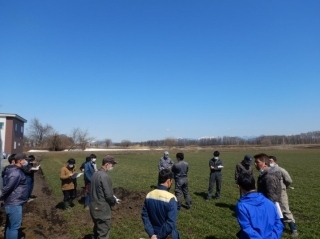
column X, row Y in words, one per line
column 87, row 208
column 294, row 233
column 30, row 199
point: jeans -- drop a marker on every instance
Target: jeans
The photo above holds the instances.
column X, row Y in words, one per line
column 14, row 219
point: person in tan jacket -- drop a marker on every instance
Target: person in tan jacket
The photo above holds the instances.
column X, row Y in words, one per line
column 67, row 182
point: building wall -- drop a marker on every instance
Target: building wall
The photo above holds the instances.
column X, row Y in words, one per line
column 14, row 133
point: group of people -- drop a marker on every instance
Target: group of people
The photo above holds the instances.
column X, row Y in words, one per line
column 18, row 182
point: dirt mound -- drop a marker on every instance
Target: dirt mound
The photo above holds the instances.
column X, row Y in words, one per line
column 42, row 218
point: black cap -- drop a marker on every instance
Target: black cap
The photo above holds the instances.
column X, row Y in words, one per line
column 247, row 157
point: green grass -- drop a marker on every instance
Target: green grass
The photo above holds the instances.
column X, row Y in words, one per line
column 137, row 171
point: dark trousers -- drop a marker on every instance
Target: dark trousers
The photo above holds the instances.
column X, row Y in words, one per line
column 68, row 195
column 30, row 183
column 101, row 228
column 181, row 188
column 215, row 178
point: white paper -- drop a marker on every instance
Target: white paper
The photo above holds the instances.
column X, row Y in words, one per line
column 76, row 175
column 279, row 209
column 35, row 168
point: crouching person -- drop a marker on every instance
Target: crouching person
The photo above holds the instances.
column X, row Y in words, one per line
column 160, row 209
column 67, row 183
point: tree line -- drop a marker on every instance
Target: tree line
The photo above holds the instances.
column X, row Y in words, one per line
column 45, row 136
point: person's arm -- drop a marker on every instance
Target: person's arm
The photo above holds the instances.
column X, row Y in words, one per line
column 64, row 174
column 107, row 190
column 11, row 183
column 286, row 177
column 146, row 221
column 170, row 224
column 244, row 221
column 236, row 173
column 89, row 170
column 161, row 164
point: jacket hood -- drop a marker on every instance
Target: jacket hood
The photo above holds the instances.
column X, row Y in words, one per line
column 253, row 198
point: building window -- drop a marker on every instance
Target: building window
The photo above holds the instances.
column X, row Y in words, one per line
column 14, row 145
column 21, row 129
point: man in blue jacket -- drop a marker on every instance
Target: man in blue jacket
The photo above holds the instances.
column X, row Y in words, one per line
column 159, row 212
column 15, row 194
column 257, row 215
column 89, row 169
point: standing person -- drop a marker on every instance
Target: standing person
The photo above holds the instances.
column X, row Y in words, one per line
column 93, row 160
column 284, row 201
column 180, row 171
column 67, row 182
column 15, row 194
column 159, row 212
column 215, row 165
column 102, row 199
column 29, row 171
column 89, row 169
column 165, row 162
column 268, row 180
column 243, row 167
column 3, row 173
column 257, row 216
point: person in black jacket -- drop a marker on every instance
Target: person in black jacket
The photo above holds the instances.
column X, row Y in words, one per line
column 215, row 165
column 15, row 194
column 243, row 167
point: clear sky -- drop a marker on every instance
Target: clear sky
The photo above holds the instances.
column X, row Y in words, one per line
column 151, row 69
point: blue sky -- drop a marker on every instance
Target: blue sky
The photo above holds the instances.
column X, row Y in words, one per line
column 152, row 69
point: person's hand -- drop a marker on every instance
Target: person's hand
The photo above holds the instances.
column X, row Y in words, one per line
column 211, row 167
column 117, row 199
column 153, row 237
column 70, row 175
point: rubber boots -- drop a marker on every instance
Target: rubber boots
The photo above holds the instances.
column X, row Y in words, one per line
column 66, row 206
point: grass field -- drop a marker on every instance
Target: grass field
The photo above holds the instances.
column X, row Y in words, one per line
column 137, row 171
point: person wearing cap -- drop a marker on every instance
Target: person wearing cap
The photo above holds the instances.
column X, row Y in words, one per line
column 89, row 169
column 29, row 171
column 256, row 215
column 3, row 173
column 180, row 173
column 160, row 211
column 15, row 195
column 215, row 166
column 67, row 182
column 285, row 182
column 165, row 162
column 243, row 167
column 102, row 199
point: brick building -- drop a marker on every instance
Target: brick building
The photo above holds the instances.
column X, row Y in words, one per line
column 12, row 131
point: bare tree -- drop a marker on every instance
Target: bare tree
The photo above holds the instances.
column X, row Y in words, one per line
column 38, row 132
column 170, row 142
column 79, row 138
column 108, row 142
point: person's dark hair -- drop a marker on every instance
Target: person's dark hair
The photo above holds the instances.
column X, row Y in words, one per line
column 273, row 157
column 31, row 158
column 246, row 181
column 263, row 158
column 216, row 153
column 164, row 175
column 88, row 159
column 71, row 161
column 180, row 156
column 11, row 158
column 92, row 156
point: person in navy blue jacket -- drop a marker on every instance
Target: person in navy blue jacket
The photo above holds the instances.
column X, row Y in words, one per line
column 257, row 215
column 160, row 209
column 89, row 169
column 15, row 194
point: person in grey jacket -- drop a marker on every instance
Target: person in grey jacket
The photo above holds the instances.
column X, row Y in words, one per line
column 165, row 162
column 15, row 194
column 268, row 180
column 215, row 165
column 285, row 182
column 180, row 171
column 102, row 199
column 243, row 167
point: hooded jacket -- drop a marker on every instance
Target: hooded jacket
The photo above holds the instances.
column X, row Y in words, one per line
column 258, row 217
column 15, row 190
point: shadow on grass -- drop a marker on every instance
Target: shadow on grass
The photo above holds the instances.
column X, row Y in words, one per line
column 225, row 205
column 89, row 236
column 153, row 186
column 201, row 194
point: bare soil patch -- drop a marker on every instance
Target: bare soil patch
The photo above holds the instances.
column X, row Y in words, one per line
column 43, row 219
